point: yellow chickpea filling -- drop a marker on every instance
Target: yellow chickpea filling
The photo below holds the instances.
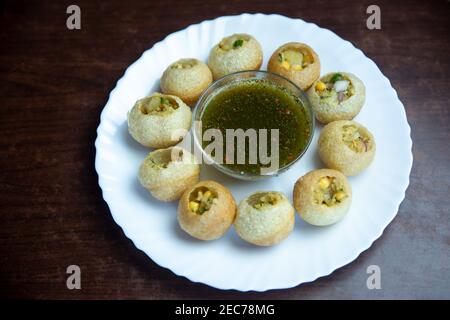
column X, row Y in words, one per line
column 158, row 165
column 157, row 105
column 354, row 139
column 335, row 89
column 329, row 192
column 320, row 86
column 201, row 200
column 294, row 59
column 183, row 64
column 262, row 200
column 161, row 159
column 233, row 42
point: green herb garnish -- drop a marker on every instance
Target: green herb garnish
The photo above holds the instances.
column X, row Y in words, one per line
column 238, row 43
column 336, row 77
column 280, row 57
column 165, row 101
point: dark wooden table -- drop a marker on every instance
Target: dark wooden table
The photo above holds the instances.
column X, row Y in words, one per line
column 55, row 82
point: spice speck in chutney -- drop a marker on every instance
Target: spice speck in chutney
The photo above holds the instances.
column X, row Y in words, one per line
column 259, row 104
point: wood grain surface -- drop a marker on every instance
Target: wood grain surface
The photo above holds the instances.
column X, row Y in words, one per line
column 55, row 82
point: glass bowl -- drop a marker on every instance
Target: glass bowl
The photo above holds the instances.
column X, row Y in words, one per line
column 224, row 82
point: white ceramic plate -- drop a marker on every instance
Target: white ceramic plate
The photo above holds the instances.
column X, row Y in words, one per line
column 229, row 263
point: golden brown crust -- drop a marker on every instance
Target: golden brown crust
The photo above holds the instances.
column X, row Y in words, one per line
column 165, row 176
column 317, row 212
column 275, row 238
column 223, row 61
column 187, row 79
column 213, row 223
column 173, row 189
column 346, row 110
column 302, row 78
column 266, row 225
column 159, row 130
column 336, row 154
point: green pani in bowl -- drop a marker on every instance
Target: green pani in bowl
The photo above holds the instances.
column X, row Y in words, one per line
column 253, row 124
